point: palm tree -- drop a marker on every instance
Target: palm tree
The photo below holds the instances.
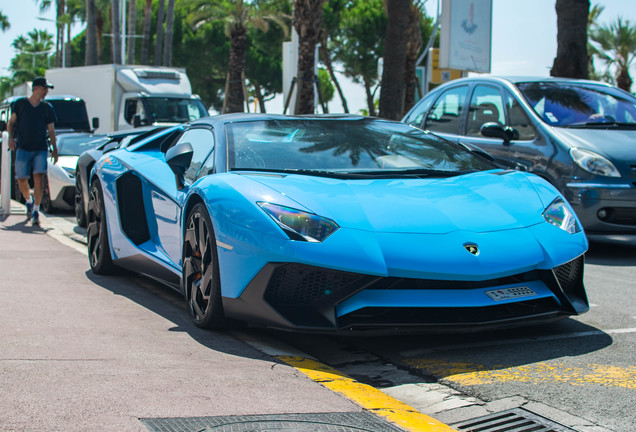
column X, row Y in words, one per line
column 237, row 15
column 159, row 32
column 572, row 59
column 392, row 92
column 60, row 9
column 116, row 31
column 32, row 58
column 167, row 45
column 617, row 43
column 307, row 21
column 4, row 22
column 145, row 42
column 90, row 55
column 131, row 30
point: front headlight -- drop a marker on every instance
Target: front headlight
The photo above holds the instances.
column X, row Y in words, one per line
column 593, row 162
column 300, row 225
column 561, row 215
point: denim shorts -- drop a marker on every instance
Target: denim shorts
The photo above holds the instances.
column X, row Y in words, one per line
column 25, row 159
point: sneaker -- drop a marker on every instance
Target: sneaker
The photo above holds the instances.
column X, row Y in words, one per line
column 29, row 207
column 36, row 218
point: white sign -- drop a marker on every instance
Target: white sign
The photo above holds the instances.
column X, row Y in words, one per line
column 465, row 37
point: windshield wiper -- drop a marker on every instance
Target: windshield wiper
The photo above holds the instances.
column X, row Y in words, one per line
column 602, row 125
column 343, row 174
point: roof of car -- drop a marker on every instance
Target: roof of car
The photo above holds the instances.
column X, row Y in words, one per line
column 513, row 79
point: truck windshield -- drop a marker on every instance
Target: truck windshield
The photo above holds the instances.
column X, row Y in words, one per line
column 174, row 110
column 70, row 114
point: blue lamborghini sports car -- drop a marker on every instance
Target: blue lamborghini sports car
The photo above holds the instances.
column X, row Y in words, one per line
column 335, row 223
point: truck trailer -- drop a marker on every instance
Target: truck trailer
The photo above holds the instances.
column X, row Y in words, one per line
column 127, row 96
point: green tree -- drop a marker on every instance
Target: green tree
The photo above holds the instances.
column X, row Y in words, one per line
column 32, row 59
column 617, row 43
column 360, row 44
column 4, row 22
column 332, row 15
column 238, row 16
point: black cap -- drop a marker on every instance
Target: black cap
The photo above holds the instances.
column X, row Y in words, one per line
column 42, row 82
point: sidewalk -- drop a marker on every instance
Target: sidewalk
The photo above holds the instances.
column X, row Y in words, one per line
column 81, row 352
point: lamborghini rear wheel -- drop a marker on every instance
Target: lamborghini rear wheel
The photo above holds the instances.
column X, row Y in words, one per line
column 80, row 215
column 202, row 286
column 99, row 256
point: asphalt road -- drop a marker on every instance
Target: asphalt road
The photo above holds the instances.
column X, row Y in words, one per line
column 580, row 372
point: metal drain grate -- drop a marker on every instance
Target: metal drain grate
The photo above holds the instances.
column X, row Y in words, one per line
column 514, row 420
column 318, row 422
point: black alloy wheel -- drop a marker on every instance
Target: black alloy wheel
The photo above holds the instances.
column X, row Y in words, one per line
column 99, row 256
column 201, row 281
column 80, row 215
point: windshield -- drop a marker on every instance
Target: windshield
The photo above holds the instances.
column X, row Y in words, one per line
column 574, row 104
column 330, row 146
column 174, row 110
column 70, row 114
column 75, row 145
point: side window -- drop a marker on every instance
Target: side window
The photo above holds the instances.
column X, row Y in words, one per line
column 416, row 116
column 446, row 113
column 202, row 142
column 519, row 119
column 486, row 105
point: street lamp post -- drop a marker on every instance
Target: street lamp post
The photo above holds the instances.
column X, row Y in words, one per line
column 61, row 25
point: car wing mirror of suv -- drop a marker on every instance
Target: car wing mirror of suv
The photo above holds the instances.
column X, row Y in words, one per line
column 496, row 130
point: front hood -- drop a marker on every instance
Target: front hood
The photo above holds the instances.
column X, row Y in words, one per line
column 615, row 144
column 480, row 202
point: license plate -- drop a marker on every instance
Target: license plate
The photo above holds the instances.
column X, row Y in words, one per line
column 510, row 293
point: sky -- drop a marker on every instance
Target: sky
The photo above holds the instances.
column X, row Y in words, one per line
column 523, row 38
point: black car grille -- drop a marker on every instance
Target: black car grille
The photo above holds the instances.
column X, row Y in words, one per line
column 570, row 275
column 306, row 296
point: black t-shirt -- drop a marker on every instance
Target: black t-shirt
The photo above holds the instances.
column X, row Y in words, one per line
column 31, row 129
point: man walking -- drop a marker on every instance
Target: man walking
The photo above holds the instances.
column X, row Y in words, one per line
column 31, row 119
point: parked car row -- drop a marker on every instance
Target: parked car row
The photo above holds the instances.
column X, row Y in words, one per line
column 341, row 222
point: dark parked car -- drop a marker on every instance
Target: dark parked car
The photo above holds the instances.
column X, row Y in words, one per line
column 579, row 135
column 87, row 159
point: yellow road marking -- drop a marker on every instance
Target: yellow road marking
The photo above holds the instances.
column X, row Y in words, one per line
column 537, row 373
column 366, row 396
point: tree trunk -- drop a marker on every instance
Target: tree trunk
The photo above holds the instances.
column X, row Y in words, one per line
column 132, row 31
column 145, row 43
column 159, row 33
column 623, row 80
column 238, row 42
column 99, row 24
column 259, row 95
column 392, row 92
column 369, row 94
column 413, row 47
column 59, row 34
column 571, row 60
column 116, row 30
column 307, row 21
column 167, row 46
column 90, row 54
column 327, row 61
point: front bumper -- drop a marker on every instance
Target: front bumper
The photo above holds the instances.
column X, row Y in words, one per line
column 297, row 296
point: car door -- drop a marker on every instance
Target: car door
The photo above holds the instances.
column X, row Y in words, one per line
column 167, row 201
column 490, row 103
column 445, row 118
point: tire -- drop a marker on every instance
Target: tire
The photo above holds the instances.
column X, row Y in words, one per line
column 45, row 204
column 99, row 255
column 80, row 215
column 201, row 281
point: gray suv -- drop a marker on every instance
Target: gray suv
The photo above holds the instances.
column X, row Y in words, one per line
column 579, row 135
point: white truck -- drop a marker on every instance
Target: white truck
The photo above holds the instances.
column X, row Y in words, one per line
column 128, row 96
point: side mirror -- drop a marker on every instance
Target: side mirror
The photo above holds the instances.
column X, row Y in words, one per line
column 178, row 159
column 496, row 130
column 95, row 123
column 136, row 120
column 3, row 125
